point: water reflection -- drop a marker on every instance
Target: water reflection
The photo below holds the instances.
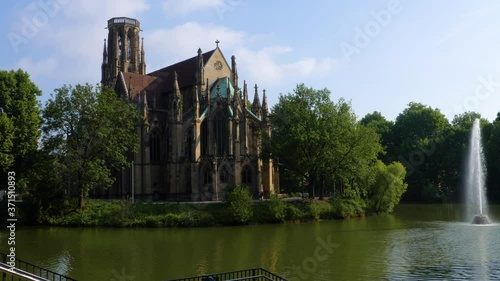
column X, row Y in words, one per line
column 443, row 250
column 417, row 242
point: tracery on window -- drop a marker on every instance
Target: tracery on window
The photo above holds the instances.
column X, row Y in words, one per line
column 129, row 47
column 246, row 175
column 120, row 47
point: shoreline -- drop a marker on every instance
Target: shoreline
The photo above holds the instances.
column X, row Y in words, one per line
column 124, row 214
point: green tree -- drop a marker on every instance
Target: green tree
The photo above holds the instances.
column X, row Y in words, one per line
column 388, row 186
column 240, row 203
column 493, row 161
column 19, row 126
column 419, row 134
column 383, row 127
column 89, row 130
column 325, row 138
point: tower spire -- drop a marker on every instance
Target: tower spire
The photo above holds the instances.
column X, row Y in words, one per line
column 143, row 58
column 104, row 66
column 265, row 109
column 256, row 106
column 177, row 106
column 104, row 54
column 245, row 95
column 234, row 71
column 200, row 71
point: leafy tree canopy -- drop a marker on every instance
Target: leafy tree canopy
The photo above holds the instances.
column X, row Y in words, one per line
column 90, row 130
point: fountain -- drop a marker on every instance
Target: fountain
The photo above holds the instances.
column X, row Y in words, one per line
column 474, row 181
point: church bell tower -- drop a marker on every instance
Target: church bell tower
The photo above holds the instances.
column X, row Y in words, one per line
column 123, row 51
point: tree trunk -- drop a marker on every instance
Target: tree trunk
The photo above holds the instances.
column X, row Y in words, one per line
column 81, row 201
column 321, row 187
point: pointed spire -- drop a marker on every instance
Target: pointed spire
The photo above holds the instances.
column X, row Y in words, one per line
column 200, row 71
column 176, row 86
column 196, row 103
column 245, row 94
column 142, row 67
column 178, row 100
column 265, row 108
column 234, row 70
column 104, row 54
column 256, row 106
column 142, row 50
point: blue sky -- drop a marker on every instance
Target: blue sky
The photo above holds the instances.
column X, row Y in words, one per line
column 379, row 54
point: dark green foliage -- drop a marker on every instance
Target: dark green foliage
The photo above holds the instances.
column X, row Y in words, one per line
column 328, row 143
column 88, row 130
column 345, row 207
column 387, row 188
column 277, row 208
column 19, row 126
column 240, row 204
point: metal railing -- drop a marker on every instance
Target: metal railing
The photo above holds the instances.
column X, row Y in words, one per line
column 254, row 274
column 30, row 270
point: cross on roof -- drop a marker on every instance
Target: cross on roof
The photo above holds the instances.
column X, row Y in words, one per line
column 217, row 42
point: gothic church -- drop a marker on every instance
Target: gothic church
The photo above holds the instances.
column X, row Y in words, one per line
column 199, row 133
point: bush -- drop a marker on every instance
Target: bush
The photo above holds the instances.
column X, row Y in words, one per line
column 240, row 204
column 347, row 207
column 293, row 213
column 277, row 208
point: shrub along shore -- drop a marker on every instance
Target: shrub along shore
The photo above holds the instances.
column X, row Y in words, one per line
column 126, row 214
column 238, row 208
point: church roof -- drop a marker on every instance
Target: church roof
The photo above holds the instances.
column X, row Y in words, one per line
column 139, row 83
column 162, row 80
column 220, row 87
column 186, row 71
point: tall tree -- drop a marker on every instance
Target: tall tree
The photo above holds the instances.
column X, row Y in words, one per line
column 419, row 134
column 19, row 125
column 493, row 161
column 383, row 127
column 325, row 138
column 90, row 130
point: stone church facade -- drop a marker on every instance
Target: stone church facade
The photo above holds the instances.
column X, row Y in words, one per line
column 198, row 133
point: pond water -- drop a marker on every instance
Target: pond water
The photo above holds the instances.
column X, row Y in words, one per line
column 416, row 242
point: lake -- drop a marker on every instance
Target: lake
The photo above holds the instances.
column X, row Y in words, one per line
column 416, row 242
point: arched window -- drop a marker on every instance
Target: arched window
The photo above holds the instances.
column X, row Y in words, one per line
column 207, row 177
column 129, row 47
column 224, row 175
column 221, row 134
column 154, row 145
column 246, row 175
column 120, row 47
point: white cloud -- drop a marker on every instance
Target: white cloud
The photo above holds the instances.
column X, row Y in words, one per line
column 73, row 36
column 71, row 43
column 43, row 67
column 168, row 46
column 265, row 65
column 184, row 7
